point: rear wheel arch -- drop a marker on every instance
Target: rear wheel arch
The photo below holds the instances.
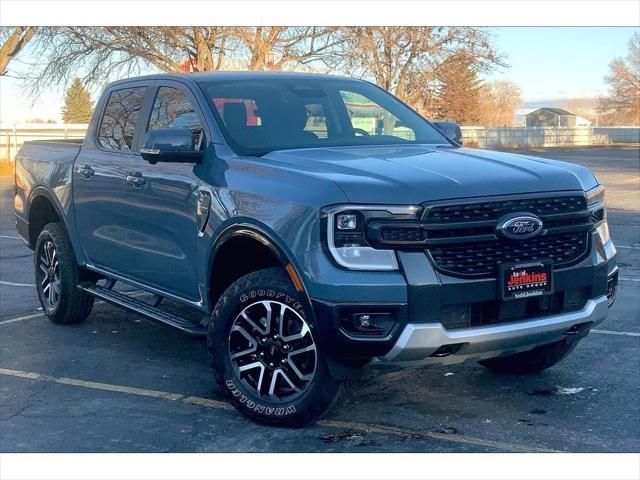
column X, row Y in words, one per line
column 42, row 210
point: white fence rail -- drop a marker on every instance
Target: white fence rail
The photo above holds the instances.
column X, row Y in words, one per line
column 13, row 136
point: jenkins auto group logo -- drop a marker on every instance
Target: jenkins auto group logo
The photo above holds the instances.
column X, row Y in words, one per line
column 524, row 278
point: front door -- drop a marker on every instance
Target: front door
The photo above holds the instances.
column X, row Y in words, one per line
column 161, row 213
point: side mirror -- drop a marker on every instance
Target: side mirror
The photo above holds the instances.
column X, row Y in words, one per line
column 170, row 145
column 451, row 130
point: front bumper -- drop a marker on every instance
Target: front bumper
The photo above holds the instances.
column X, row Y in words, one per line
column 420, row 299
column 418, row 342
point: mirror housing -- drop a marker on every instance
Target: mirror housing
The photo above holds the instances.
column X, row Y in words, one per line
column 170, row 145
column 451, row 129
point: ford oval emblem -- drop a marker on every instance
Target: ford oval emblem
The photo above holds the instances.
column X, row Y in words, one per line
column 519, row 226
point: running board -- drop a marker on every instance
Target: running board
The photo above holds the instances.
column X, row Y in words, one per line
column 144, row 309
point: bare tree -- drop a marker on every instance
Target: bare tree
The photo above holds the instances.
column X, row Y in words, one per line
column 623, row 101
column 13, row 40
column 404, row 60
column 498, row 100
column 272, row 48
column 98, row 52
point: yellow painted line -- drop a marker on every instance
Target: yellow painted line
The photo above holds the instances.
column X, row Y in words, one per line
column 216, row 404
column 119, row 388
column 93, row 385
column 207, row 402
column 453, row 437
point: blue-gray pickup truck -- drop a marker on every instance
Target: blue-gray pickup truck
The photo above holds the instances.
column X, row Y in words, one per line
column 310, row 226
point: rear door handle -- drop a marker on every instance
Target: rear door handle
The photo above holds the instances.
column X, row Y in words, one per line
column 86, row 171
column 136, row 179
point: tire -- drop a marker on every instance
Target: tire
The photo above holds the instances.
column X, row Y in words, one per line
column 57, row 278
column 262, row 351
column 533, row 361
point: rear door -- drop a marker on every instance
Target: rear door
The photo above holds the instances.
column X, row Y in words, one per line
column 98, row 177
column 161, row 201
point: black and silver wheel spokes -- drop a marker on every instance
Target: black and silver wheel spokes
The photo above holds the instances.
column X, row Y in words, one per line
column 49, row 274
column 272, row 350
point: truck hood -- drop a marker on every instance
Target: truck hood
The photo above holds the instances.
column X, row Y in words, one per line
column 414, row 174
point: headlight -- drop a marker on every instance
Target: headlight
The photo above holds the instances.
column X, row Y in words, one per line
column 346, row 234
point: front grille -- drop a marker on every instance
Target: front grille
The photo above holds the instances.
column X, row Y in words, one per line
column 492, row 210
column 461, row 238
column 482, row 258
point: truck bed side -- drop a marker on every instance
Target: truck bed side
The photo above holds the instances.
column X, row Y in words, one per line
column 43, row 176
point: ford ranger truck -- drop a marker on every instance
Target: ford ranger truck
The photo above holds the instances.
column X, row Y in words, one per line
column 310, row 226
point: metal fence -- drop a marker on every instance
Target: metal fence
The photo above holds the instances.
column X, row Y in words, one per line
column 13, row 136
column 532, row 137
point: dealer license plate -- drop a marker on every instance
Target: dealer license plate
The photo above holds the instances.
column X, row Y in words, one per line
column 527, row 279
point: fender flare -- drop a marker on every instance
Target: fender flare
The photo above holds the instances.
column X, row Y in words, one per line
column 41, row 191
column 266, row 238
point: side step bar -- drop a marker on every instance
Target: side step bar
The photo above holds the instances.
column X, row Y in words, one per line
column 144, row 309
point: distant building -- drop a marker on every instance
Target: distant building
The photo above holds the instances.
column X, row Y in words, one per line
column 582, row 122
column 550, row 117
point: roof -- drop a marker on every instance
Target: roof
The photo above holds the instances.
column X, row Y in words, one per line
column 557, row 111
column 245, row 75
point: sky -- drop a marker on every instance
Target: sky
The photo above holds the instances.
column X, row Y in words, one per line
column 547, row 62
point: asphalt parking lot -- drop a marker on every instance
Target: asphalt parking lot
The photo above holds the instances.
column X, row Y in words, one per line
column 119, row 383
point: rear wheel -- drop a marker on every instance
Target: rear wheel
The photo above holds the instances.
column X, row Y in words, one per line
column 264, row 353
column 533, row 361
column 57, row 277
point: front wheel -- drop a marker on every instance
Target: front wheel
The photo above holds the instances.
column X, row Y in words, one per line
column 263, row 351
column 533, row 361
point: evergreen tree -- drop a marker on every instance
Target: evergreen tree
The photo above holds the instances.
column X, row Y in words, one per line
column 459, row 90
column 77, row 104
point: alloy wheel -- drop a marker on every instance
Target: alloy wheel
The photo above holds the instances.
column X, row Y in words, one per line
column 272, row 350
column 49, row 274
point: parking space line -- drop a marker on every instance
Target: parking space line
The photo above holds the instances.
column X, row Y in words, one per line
column 19, row 319
column 9, row 236
column 13, row 284
column 627, row 246
column 218, row 405
column 629, row 279
column 614, row 332
column 40, row 314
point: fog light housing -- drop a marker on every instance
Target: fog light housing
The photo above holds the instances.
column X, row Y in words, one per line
column 367, row 323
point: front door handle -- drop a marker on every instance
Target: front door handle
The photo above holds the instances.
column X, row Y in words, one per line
column 136, row 179
column 86, row 171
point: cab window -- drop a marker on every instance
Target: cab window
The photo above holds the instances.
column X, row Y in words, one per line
column 118, row 124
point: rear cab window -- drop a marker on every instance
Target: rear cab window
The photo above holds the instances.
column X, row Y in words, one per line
column 120, row 117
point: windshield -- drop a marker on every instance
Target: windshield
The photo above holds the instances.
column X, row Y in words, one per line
column 260, row 115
